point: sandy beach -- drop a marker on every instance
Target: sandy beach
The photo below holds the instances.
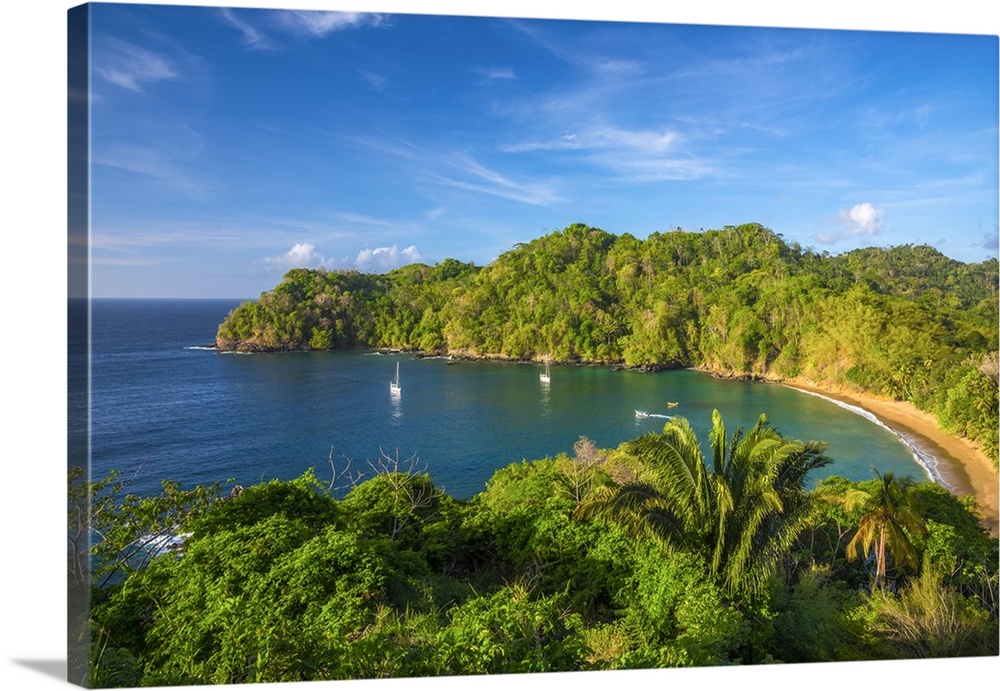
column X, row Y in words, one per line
column 963, row 467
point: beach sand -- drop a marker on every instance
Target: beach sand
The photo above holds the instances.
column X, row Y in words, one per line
column 963, row 467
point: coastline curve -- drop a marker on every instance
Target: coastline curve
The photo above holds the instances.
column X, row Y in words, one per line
column 923, row 458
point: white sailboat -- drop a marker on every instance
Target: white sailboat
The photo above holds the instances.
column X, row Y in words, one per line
column 394, row 387
column 546, row 376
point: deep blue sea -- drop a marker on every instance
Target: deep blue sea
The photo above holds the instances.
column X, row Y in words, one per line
column 164, row 405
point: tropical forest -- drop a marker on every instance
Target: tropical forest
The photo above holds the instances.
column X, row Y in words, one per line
column 672, row 549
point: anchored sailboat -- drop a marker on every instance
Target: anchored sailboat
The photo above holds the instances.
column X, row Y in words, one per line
column 394, row 387
column 546, row 376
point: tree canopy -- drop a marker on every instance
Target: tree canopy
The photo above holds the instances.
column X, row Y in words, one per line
column 542, row 571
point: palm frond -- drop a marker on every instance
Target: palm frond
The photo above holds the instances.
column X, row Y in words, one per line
column 743, row 514
column 717, row 442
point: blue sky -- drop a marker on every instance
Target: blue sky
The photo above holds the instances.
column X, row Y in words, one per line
column 230, row 145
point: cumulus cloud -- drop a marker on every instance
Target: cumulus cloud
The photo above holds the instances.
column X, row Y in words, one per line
column 382, row 259
column 863, row 219
column 302, row 255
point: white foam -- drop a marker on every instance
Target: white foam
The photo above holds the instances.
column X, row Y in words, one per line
column 927, row 462
column 643, row 413
column 162, row 543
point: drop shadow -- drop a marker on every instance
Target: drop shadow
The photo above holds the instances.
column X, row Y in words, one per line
column 50, row 668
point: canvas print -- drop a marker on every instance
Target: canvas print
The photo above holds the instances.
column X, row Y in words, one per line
column 431, row 346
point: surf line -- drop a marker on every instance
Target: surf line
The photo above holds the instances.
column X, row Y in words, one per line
column 928, row 463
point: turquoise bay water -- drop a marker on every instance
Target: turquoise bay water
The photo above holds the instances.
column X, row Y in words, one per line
column 166, row 405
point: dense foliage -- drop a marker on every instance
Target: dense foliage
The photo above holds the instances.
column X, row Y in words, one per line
column 290, row 581
column 905, row 322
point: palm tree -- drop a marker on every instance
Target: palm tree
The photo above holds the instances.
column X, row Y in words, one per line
column 887, row 515
column 742, row 513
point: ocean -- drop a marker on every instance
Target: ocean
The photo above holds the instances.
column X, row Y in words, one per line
column 166, row 405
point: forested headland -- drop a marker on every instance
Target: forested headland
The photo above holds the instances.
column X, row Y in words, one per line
column 906, row 323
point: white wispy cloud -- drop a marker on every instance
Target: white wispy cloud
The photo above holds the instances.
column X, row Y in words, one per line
column 383, row 143
column 613, row 138
column 255, row 235
column 123, row 261
column 495, row 72
column 317, row 23
column 644, row 156
column 131, row 157
column 133, row 235
column 382, row 259
column 353, row 219
column 635, row 155
column 442, row 166
column 619, row 67
column 375, row 80
column 476, row 177
column 130, row 66
column 297, row 23
column 166, row 159
column 252, row 36
column 576, row 55
column 635, row 168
